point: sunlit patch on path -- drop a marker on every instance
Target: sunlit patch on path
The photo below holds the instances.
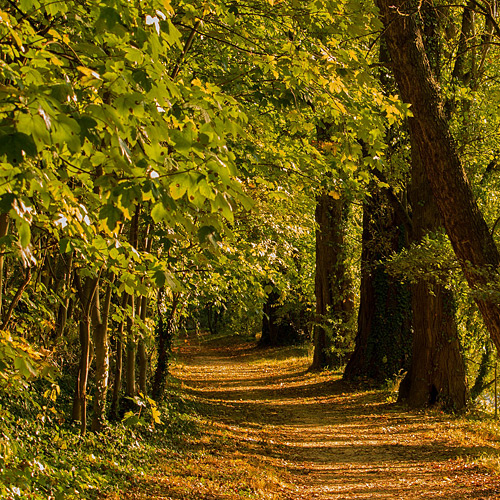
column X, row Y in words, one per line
column 326, row 441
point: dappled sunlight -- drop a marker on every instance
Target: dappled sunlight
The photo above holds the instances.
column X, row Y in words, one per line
column 328, row 440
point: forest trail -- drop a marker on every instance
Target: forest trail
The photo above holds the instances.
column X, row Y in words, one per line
column 323, row 441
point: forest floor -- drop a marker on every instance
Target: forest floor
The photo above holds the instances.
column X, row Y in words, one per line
column 271, row 430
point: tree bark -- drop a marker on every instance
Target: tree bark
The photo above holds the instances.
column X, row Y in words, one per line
column 383, row 339
column 131, row 347
column 100, row 320
column 17, row 297
column 4, row 229
column 118, row 368
column 141, row 348
column 164, row 334
column 437, row 371
column 86, row 292
column 143, row 310
column 334, row 301
column 62, row 311
column 468, row 232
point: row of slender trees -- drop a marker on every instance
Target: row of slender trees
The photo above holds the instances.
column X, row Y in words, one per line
column 146, row 172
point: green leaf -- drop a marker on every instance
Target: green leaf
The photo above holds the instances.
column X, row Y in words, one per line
column 159, row 213
column 173, row 35
column 111, row 214
column 134, row 55
column 87, row 129
column 35, row 126
column 24, row 234
column 17, row 147
column 130, row 419
column 221, row 205
column 208, row 233
column 67, row 131
column 220, row 170
column 26, row 369
column 159, row 278
column 178, row 188
column 108, row 18
column 206, row 189
column 65, row 245
column 27, row 5
column 182, row 143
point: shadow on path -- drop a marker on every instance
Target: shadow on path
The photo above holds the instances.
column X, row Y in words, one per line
column 336, row 443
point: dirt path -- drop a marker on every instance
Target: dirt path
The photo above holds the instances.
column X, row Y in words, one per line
column 328, row 442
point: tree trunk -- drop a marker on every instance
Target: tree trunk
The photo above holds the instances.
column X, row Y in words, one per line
column 100, row 317
column 86, row 293
column 6, row 319
column 62, row 312
column 141, row 349
column 468, row 232
column 4, row 229
column 437, row 371
column 383, row 340
column 164, row 334
column 118, row 368
column 334, row 302
column 143, row 309
column 131, row 347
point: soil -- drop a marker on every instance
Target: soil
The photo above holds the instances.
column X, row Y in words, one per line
column 326, row 440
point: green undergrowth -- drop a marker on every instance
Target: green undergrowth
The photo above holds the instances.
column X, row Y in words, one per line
column 43, row 455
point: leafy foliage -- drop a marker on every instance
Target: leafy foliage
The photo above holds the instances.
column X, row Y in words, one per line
column 170, row 152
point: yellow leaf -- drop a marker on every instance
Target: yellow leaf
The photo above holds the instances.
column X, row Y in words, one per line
column 88, row 72
column 156, row 415
column 334, row 195
column 168, row 7
column 17, row 39
column 4, row 18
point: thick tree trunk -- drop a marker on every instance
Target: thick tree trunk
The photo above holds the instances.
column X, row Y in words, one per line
column 437, row 371
column 383, row 340
column 334, row 302
column 468, row 232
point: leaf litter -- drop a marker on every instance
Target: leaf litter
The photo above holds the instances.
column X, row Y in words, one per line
column 269, row 429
